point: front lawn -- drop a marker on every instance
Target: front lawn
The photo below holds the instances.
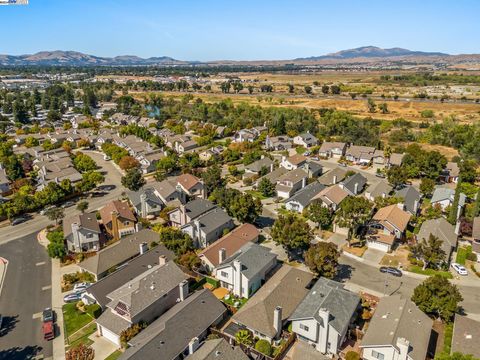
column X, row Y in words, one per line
column 75, row 319
column 256, row 194
column 429, row 272
column 114, row 356
column 462, row 254
column 82, row 336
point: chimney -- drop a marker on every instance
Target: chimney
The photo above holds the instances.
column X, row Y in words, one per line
column 355, row 189
column 196, row 234
column 138, row 226
column 277, row 320
column 115, row 233
column 183, row 290
column 304, row 182
column 162, row 260
column 193, row 345
column 334, row 179
column 237, row 277
column 222, row 255
column 323, row 337
column 415, row 206
column 143, row 248
column 143, row 204
column 76, row 238
column 403, row 345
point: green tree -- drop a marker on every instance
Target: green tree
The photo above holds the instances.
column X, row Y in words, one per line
column 266, row 187
column 175, row 240
column 264, row 347
column 438, row 297
column 244, row 337
column 468, row 171
column 133, row 180
column 427, row 186
column 430, row 252
column 320, row 215
column 325, row 89
column 84, row 163
column 82, row 206
column 31, row 142
column 322, row 259
column 372, row 107
column 292, row 232
column 397, row 175
column 90, row 180
column 55, row 214
column 212, row 179
column 383, row 108
column 353, row 212
column 308, row 89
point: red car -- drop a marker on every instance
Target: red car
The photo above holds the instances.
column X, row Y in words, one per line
column 48, row 330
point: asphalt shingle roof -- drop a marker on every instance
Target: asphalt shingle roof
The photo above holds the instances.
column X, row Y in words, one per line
column 306, row 195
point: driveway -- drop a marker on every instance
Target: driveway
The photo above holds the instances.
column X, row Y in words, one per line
column 338, row 239
column 373, row 256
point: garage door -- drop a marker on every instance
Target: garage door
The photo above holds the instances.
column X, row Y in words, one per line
column 114, row 338
column 378, row 246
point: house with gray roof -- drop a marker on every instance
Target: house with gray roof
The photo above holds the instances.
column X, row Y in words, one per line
column 208, row 227
column 4, row 182
column 269, row 309
column 218, row 349
column 179, row 331
column 186, row 213
column 273, row 176
column 380, row 189
column 145, row 202
column 245, row 271
column 332, row 149
column 441, row 229
column 323, row 317
column 98, row 291
column 82, row 232
column 466, row 333
column 289, row 183
column 143, row 299
column 411, row 199
column 445, row 197
column 257, row 166
column 303, row 198
column 306, row 140
column 397, row 330
column 278, row 143
column 354, row 184
column 333, row 176
column 112, row 256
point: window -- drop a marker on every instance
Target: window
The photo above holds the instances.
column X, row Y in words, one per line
column 89, row 235
column 378, row 355
column 304, row 327
column 224, row 274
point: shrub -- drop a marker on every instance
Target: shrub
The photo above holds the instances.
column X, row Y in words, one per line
column 127, row 334
column 352, row 355
column 264, row 347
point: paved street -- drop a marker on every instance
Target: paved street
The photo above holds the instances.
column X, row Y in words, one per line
column 26, row 292
column 38, row 222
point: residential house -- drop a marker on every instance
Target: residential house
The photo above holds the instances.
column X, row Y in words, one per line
column 111, row 257
column 264, row 165
column 395, row 159
column 380, row 189
column 213, row 152
column 218, row 349
column 306, row 140
column 118, row 219
column 169, row 192
column 331, row 197
column 324, row 316
column 360, row 154
column 304, row 197
column 278, row 143
column 186, row 146
column 451, row 172
column 332, row 149
column 379, row 157
column 397, row 330
column 269, row 309
column 476, row 237
column 245, row 271
column 333, row 176
column 273, row 176
column 313, row 169
column 293, row 162
column 245, row 135
column 4, row 182
column 186, row 213
column 290, row 183
column 191, row 186
column 208, row 227
column 82, row 232
column 142, row 299
column 411, row 199
column 179, row 331
column 387, row 226
column 445, row 197
column 145, row 202
column 466, row 333
column 441, row 229
column 147, row 259
column 148, row 161
column 219, row 251
column 354, row 184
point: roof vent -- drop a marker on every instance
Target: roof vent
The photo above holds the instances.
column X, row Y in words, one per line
column 152, row 287
column 218, row 353
column 468, row 336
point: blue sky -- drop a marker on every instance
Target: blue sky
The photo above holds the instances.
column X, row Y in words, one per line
column 237, row 29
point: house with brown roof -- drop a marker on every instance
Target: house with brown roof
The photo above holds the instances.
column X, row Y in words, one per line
column 360, row 154
column 395, row 159
column 220, row 250
column 118, row 219
column 332, row 149
column 293, row 162
column 387, row 226
column 451, row 172
column 268, row 310
column 331, row 197
column 82, row 232
column 191, row 186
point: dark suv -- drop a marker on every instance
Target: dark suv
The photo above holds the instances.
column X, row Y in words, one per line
column 391, row 270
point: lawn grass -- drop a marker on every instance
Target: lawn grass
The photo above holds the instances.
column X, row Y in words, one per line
column 232, row 300
column 429, row 272
column 75, row 319
column 462, row 254
column 256, row 194
column 82, row 336
column 114, row 356
column 447, row 338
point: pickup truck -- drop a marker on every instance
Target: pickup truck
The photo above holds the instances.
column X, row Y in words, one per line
column 48, row 329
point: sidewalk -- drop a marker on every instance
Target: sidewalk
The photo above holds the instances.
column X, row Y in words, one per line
column 3, row 272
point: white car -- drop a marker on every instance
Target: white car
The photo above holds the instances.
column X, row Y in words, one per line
column 81, row 286
column 459, row 269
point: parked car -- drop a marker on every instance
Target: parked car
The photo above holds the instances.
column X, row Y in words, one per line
column 391, row 270
column 19, row 220
column 44, row 211
column 315, row 158
column 73, row 297
column 459, row 269
column 48, row 315
column 307, row 153
column 68, row 204
column 48, row 329
column 380, row 175
column 81, row 286
column 342, row 164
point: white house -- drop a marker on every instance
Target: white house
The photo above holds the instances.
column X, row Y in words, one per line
column 306, row 140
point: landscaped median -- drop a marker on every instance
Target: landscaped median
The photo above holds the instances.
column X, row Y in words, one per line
column 79, row 322
column 429, row 272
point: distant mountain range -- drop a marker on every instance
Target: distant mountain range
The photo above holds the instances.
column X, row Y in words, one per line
column 361, row 54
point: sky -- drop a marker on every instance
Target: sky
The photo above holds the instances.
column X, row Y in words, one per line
column 238, row 29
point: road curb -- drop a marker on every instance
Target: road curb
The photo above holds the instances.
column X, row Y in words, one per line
column 4, row 272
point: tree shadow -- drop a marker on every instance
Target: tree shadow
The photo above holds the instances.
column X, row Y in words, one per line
column 264, row 221
column 8, row 324
column 18, row 353
column 344, row 272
